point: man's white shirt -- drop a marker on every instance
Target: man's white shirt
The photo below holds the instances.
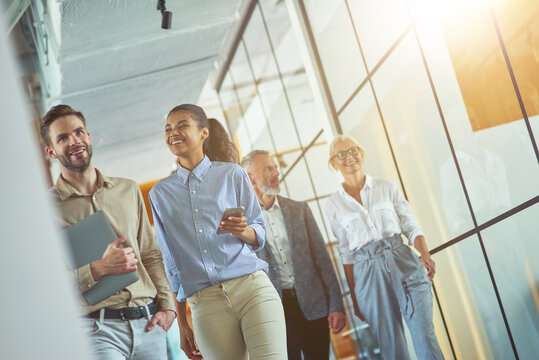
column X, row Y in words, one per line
column 277, row 238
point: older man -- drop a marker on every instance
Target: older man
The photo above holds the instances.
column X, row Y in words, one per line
column 299, row 263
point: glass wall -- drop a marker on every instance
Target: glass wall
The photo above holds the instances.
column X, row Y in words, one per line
column 442, row 103
column 443, row 96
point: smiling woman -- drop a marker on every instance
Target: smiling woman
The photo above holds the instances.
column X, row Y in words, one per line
column 341, row 155
column 388, row 281
column 188, row 127
column 236, row 311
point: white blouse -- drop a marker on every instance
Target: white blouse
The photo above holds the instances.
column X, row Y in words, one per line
column 385, row 212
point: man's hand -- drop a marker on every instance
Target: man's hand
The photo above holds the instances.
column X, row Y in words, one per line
column 161, row 318
column 187, row 343
column 336, row 321
column 115, row 260
column 429, row 264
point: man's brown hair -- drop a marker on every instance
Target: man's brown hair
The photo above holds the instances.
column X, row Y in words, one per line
column 55, row 113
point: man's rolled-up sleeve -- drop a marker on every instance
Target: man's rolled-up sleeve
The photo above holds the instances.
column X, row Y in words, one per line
column 152, row 259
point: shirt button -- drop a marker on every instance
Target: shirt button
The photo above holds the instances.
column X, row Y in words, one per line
column 205, row 251
column 89, row 285
column 94, row 198
column 196, row 210
column 192, row 174
column 194, row 191
column 199, row 230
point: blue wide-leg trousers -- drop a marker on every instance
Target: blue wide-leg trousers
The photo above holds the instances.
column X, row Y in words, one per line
column 390, row 284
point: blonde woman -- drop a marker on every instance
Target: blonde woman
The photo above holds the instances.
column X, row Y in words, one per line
column 387, row 280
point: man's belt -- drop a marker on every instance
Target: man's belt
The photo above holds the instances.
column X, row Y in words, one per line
column 130, row 313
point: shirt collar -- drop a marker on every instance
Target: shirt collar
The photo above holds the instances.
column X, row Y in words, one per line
column 368, row 182
column 199, row 171
column 274, row 206
column 368, row 185
column 65, row 190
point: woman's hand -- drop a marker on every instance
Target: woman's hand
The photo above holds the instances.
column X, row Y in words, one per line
column 237, row 225
column 349, row 273
column 187, row 339
column 187, row 343
column 421, row 245
column 429, row 264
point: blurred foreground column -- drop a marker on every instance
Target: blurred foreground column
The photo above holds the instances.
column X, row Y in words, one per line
column 37, row 301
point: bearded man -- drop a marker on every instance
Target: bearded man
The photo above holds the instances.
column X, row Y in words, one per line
column 299, row 264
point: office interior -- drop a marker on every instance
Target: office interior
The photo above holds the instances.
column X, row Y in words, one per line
column 443, row 95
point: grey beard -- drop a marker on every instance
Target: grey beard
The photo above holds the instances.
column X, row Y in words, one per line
column 271, row 190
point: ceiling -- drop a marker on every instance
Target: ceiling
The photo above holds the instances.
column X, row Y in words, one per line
column 112, row 61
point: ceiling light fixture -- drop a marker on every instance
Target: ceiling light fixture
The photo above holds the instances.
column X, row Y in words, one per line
column 166, row 21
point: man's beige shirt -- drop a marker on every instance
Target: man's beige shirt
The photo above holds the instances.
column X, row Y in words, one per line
column 121, row 201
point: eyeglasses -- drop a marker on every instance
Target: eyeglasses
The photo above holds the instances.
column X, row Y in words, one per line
column 341, row 155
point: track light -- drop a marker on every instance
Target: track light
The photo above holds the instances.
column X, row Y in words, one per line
column 166, row 21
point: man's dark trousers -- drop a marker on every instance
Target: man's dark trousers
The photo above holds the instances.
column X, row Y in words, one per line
column 308, row 336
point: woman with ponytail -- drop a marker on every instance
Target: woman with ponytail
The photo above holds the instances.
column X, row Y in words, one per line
column 210, row 262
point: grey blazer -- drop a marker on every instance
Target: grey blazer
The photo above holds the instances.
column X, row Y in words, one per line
column 316, row 285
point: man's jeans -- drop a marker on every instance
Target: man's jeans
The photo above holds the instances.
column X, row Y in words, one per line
column 115, row 339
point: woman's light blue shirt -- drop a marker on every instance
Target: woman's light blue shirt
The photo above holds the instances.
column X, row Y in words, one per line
column 187, row 207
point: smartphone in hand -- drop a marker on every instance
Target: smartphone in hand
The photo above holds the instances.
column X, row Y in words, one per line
column 236, row 211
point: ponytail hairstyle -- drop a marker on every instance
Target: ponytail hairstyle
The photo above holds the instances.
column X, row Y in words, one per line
column 217, row 145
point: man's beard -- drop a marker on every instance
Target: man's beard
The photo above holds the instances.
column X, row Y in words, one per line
column 266, row 189
column 70, row 164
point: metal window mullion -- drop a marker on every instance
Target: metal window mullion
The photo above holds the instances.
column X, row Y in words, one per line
column 378, row 65
column 285, row 92
column 461, row 178
column 240, row 107
column 378, row 107
column 316, row 62
column 224, row 114
column 487, row 224
column 266, row 117
column 514, row 82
